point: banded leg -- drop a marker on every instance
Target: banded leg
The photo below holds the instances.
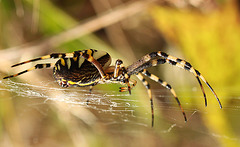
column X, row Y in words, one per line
column 150, row 58
column 187, row 66
column 87, row 54
column 194, row 71
column 51, row 56
column 166, row 85
column 146, row 84
column 155, row 62
column 38, row 66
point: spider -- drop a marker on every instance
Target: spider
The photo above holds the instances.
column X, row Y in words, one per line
column 90, row 67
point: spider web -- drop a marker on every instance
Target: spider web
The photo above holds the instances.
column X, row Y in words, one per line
column 114, row 108
column 101, row 101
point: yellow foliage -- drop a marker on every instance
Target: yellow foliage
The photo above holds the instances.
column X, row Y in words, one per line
column 214, row 38
column 211, row 41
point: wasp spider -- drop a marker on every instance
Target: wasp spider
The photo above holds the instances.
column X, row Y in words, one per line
column 90, row 67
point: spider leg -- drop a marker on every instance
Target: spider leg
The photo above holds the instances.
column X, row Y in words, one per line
column 166, row 85
column 146, row 65
column 146, row 84
column 192, row 70
column 38, row 66
column 149, row 58
column 51, row 56
column 187, row 66
column 133, row 82
column 87, row 54
column 155, row 62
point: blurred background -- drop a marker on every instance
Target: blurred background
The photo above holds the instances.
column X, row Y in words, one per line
column 36, row 111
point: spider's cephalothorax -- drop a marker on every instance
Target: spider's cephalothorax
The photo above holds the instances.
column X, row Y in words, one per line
column 90, row 67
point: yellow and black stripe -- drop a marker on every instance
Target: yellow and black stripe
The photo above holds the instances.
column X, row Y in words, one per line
column 72, row 61
column 146, row 84
column 78, row 71
column 53, row 56
column 38, row 66
column 155, row 62
column 152, row 60
column 187, row 66
column 166, row 85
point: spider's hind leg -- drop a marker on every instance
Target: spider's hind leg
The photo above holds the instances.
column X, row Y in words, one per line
column 38, row 66
column 166, row 85
column 50, row 56
column 87, row 54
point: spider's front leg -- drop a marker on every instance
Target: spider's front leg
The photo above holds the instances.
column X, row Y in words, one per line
column 152, row 59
